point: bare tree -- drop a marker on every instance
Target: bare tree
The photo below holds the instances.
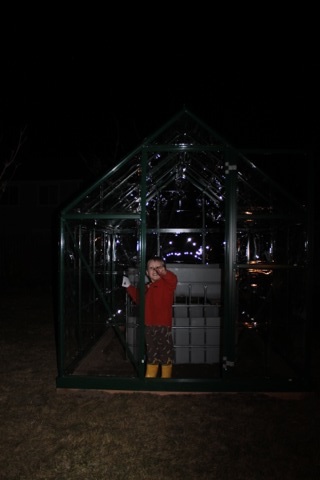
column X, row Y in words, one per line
column 9, row 166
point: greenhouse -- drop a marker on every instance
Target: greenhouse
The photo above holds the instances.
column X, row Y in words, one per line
column 238, row 242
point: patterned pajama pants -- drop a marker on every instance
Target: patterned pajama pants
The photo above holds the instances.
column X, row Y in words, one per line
column 159, row 344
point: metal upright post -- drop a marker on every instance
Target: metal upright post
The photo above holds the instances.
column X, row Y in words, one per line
column 230, row 307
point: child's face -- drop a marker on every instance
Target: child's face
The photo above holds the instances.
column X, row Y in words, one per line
column 153, row 270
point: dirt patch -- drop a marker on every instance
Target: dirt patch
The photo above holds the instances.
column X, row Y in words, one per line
column 74, row 435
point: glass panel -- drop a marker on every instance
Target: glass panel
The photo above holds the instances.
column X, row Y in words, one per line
column 95, row 261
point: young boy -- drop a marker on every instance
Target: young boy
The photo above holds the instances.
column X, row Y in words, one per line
column 159, row 299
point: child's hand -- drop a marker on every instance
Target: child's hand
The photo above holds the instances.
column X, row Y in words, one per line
column 160, row 270
column 126, row 282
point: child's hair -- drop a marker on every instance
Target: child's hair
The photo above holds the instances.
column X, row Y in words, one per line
column 156, row 258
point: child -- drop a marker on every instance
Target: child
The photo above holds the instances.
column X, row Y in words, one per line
column 159, row 299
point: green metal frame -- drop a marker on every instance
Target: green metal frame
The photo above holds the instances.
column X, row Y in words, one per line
column 227, row 381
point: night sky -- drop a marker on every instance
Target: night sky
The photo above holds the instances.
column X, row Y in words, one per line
column 90, row 89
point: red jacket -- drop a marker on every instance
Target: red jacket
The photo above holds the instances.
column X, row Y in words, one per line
column 159, row 298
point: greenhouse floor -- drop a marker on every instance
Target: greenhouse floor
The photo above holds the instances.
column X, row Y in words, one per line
column 107, row 358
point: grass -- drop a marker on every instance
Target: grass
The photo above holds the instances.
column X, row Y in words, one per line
column 92, row 435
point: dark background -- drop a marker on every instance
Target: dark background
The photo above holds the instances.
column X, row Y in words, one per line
column 89, row 85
